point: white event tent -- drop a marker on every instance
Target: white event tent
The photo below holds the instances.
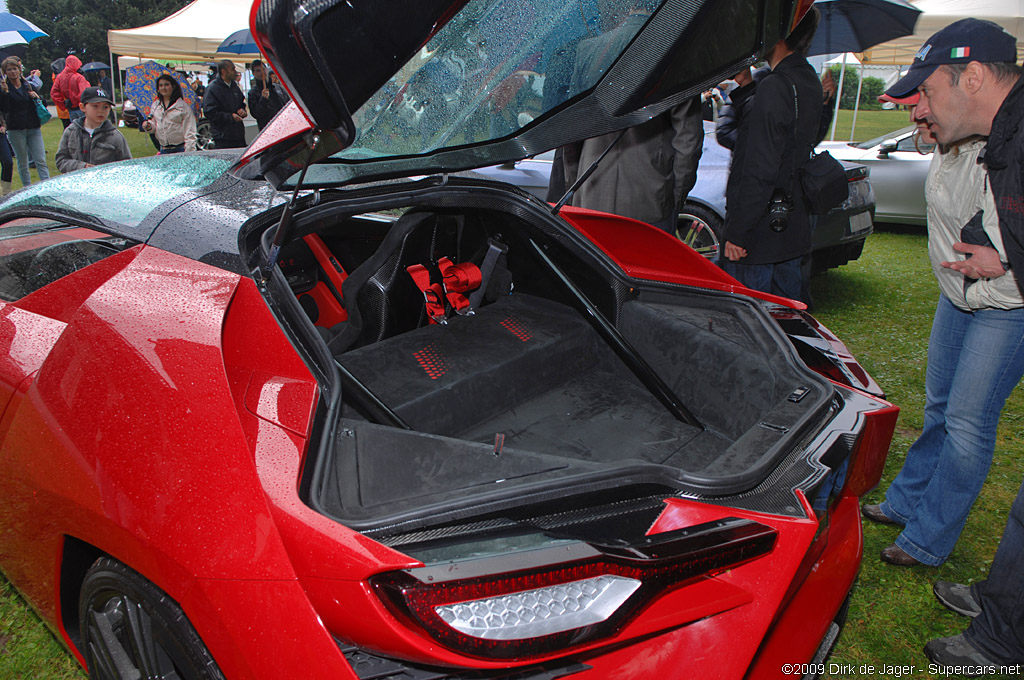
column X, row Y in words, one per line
column 192, row 33
column 937, row 14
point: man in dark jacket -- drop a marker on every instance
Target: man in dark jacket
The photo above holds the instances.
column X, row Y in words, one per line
column 266, row 97
column 767, row 224
column 224, row 107
column 730, row 114
column 970, row 84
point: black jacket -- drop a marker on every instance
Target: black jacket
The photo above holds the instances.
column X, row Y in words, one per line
column 222, row 100
column 729, row 116
column 19, row 107
column 728, row 126
column 78, row 148
column 772, row 145
column 265, row 109
column 1004, row 156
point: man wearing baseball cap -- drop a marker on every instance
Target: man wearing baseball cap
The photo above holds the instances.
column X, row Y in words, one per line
column 969, row 84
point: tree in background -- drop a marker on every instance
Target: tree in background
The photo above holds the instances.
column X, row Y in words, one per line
column 869, row 93
column 80, row 26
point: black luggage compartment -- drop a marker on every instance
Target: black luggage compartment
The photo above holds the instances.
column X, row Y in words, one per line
column 525, row 395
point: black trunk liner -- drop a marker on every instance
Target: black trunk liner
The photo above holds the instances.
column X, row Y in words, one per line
column 524, row 395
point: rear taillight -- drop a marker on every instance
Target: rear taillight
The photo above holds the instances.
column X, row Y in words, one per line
column 870, row 451
column 569, row 597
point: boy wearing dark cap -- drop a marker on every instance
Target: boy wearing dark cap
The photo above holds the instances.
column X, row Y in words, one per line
column 92, row 140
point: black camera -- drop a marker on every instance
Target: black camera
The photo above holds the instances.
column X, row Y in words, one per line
column 778, row 210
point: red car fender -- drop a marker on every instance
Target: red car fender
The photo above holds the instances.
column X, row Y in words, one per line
column 797, row 634
column 264, row 629
column 128, row 440
column 276, row 412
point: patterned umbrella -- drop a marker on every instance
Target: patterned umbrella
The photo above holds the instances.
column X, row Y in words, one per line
column 17, row 31
column 140, row 86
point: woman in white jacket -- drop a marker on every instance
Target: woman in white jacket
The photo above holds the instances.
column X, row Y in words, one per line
column 171, row 118
column 975, row 359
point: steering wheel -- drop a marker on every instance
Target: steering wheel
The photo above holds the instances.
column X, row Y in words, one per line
column 54, row 262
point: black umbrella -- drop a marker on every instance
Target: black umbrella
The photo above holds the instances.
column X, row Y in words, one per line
column 857, row 25
column 13, row 51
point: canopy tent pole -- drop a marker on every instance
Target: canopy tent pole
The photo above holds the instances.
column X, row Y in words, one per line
column 839, row 98
column 856, row 103
column 110, row 56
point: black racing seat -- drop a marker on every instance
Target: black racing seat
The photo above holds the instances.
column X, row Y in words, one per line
column 381, row 298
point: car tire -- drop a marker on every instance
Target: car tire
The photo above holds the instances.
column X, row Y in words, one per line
column 204, row 135
column 700, row 228
column 130, row 628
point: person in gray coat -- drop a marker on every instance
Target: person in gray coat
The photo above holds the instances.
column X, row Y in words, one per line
column 650, row 170
column 92, row 140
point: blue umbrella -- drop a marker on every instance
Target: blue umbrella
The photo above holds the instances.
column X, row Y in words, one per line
column 857, row 25
column 239, row 42
column 95, row 66
column 14, row 30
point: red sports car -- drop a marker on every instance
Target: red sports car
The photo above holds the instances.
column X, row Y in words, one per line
column 327, row 410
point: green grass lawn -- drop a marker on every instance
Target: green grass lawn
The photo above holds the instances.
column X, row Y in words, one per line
column 882, row 307
column 870, row 124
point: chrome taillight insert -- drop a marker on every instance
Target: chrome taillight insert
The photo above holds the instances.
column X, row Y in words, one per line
column 541, row 611
column 525, row 605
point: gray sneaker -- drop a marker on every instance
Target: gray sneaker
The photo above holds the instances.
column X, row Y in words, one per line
column 957, row 651
column 956, row 597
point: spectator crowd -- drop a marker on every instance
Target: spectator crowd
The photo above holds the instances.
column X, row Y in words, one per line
column 85, row 104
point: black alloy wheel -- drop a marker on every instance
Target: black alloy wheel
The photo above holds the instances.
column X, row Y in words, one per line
column 131, row 630
column 701, row 229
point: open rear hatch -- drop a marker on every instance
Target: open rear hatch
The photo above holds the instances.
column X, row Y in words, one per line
column 409, row 87
column 530, row 398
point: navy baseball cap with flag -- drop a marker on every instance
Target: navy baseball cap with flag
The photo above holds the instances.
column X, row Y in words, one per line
column 961, row 42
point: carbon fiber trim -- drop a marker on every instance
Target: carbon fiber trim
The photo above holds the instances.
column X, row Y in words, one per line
column 368, row 666
column 637, row 515
column 802, row 469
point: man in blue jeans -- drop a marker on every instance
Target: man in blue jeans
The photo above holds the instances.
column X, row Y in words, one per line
column 996, row 635
column 969, row 84
column 963, row 75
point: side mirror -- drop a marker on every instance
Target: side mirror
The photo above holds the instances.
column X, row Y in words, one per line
column 887, row 147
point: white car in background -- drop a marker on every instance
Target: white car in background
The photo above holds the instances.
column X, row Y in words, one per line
column 899, row 165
